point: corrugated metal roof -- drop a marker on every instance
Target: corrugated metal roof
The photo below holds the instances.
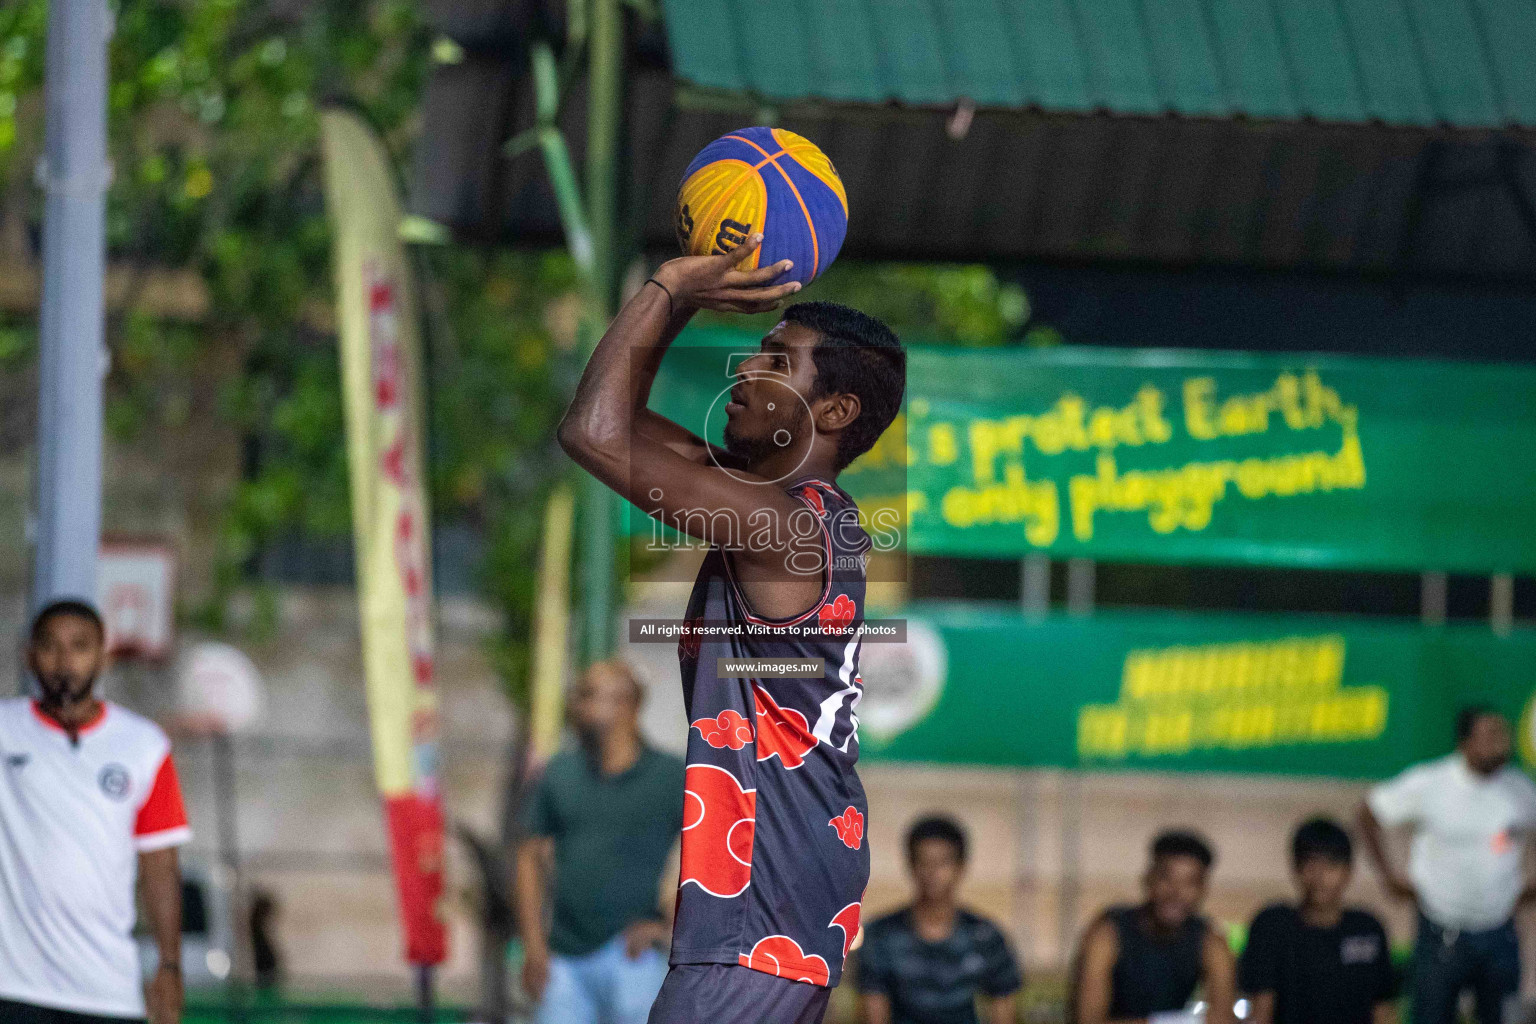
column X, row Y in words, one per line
column 1031, row 186
column 1465, row 63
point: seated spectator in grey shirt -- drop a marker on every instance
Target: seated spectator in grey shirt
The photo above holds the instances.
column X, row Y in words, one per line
column 930, row 961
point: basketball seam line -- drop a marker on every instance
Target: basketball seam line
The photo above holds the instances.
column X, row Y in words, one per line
column 726, row 194
column 774, row 159
column 806, row 144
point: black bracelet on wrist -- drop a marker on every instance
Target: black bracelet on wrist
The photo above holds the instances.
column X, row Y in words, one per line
column 671, row 303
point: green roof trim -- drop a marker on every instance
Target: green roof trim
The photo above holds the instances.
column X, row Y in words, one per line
column 1420, row 63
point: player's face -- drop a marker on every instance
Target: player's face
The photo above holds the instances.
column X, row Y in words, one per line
column 769, row 409
column 1175, row 889
column 1322, row 881
column 1487, row 749
column 602, row 700
column 936, row 870
column 66, row 658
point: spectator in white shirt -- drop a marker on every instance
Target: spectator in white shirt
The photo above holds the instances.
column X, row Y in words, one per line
column 90, row 807
column 1472, row 815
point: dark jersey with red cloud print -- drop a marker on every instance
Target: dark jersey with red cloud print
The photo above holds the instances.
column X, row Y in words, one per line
column 774, row 861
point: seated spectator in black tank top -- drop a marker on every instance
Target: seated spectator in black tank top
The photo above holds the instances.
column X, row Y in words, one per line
column 1319, row 962
column 928, row 962
column 1144, row 963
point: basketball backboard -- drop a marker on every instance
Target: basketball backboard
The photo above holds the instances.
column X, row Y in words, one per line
column 136, row 584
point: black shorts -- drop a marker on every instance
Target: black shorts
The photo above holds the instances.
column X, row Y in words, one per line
column 26, row 1013
column 727, row 994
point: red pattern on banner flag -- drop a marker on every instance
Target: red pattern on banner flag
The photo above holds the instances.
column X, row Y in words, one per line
column 398, row 464
column 392, row 465
column 416, row 818
column 416, row 848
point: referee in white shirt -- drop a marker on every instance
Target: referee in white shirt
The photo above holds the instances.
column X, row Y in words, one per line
column 1472, row 816
column 89, row 804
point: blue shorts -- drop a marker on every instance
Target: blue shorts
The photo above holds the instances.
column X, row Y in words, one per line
column 728, row 994
column 606, row 986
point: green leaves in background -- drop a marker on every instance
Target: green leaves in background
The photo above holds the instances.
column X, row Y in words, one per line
column 958, row 304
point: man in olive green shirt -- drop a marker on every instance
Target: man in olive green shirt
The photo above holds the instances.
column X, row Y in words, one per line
column 604, row 817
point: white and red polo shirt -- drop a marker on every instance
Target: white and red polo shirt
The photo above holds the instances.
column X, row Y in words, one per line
column 74, row 817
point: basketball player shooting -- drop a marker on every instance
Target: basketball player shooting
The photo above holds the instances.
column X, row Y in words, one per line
column 774, row 862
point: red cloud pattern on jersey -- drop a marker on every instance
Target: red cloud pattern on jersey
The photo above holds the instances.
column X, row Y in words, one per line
column 718, row 819
column 850, row 827
column 781, row 731
column 838, row 615
column 782, row 956
column 729, row 729
column 848, row 920
column 813, row 498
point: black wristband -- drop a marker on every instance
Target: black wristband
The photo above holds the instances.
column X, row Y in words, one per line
column 671, row 303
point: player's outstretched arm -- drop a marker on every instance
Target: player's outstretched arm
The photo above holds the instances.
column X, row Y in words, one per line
column 656, row 464
column 651, row 423
column 611, row 398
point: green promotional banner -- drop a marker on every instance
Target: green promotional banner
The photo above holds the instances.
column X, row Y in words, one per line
column 1187, row 457
column 1310, row 695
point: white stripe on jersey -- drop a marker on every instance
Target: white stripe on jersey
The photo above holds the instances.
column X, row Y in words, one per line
column 827, row 720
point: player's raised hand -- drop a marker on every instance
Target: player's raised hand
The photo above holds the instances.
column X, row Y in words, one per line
column 720, row 283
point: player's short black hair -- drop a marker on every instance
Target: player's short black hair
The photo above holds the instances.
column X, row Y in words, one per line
column 1183, row 843
column 1467, row 719
column 1321, row 838
column 857, row 354
column 937, row 826
column 66, row 606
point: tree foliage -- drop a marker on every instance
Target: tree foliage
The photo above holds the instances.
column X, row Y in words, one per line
column 954, row 304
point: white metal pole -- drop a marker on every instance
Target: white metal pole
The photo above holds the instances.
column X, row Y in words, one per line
column 73, row 174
